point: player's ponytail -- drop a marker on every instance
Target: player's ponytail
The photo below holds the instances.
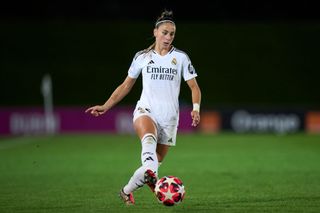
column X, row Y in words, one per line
column 150, row 47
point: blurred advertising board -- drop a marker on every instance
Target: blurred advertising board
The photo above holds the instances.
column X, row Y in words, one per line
column 312, row 122
column 210, row 122
column 263, row 121
column 22, row 121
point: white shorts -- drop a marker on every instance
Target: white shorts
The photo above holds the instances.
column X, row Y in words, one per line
column 167, row 134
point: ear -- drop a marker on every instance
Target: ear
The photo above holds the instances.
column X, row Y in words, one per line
column 155, row 32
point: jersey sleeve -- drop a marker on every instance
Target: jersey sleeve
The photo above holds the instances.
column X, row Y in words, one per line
column 135, row 67
column 188, row 70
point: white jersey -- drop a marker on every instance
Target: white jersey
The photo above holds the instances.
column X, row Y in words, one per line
column 161, row 79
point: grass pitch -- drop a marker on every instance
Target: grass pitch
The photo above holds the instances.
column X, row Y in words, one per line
column 221, row 173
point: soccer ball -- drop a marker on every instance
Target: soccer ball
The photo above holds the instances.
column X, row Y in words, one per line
column 169, row 190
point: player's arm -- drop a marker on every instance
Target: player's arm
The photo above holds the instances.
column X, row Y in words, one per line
column 196, row 100
column 118, row 94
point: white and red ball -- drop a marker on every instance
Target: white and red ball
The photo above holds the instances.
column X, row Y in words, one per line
column 169, row 190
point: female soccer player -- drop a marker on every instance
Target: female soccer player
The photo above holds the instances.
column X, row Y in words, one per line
column 156, row 115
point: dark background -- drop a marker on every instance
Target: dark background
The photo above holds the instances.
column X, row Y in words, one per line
column 247, row 53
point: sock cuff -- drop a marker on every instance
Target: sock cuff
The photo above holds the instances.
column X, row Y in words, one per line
column 149, row 135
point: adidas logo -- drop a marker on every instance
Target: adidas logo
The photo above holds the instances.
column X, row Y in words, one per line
column 149, row 158
column 170, row 140
column 151, row 62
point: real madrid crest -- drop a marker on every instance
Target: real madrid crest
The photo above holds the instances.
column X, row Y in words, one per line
column 174, row 61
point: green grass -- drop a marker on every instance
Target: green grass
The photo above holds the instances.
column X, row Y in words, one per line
column 221, row 173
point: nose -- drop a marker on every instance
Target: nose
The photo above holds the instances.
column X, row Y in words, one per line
column 169, row 37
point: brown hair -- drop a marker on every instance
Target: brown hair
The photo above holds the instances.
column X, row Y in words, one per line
column 166, row 16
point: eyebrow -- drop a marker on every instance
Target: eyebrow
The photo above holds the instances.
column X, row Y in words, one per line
column 168, row 31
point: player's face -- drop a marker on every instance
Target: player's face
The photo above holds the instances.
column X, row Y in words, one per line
column 164, row 34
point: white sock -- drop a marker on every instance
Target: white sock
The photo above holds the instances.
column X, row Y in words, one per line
column 136, row 181
column 149, row 160
column 149, row 157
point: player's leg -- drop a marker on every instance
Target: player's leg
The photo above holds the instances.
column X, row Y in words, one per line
column 135, row 182
column 146, row 131
column 127, row 198
column 162, row 151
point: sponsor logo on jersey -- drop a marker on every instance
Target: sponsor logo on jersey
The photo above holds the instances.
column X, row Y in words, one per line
column 160, row 69
column 162, row 73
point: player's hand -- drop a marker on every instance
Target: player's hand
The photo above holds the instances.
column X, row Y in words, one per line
column 96, row 110
column 195, row 115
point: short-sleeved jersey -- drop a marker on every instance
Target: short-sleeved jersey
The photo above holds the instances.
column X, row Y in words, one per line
column 161, row 80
